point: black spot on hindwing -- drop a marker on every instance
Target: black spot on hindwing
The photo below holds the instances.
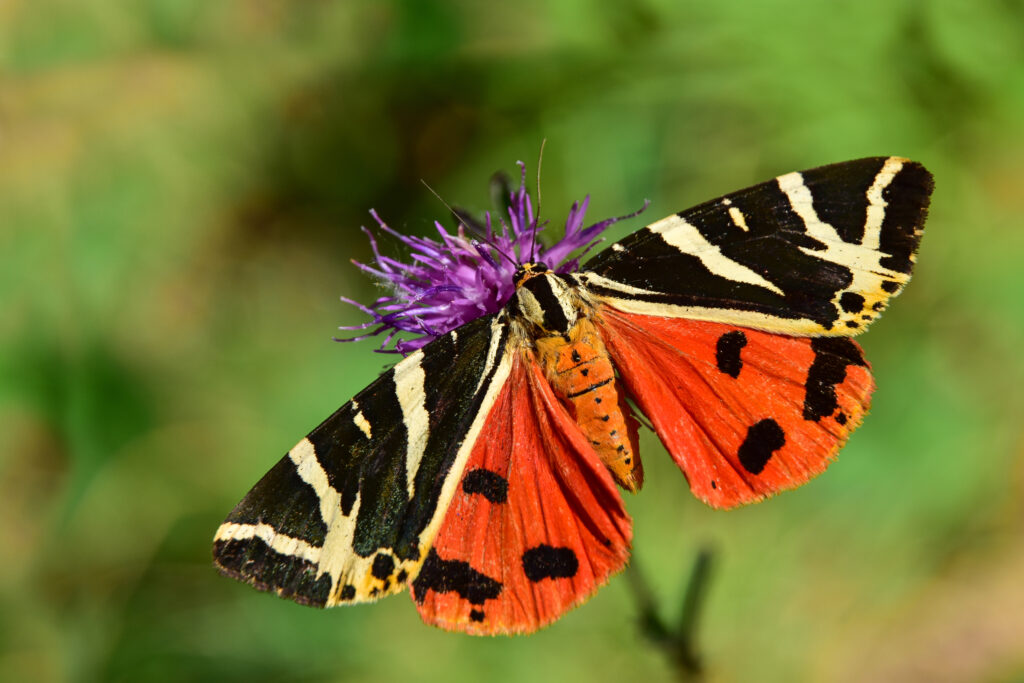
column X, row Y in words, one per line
column 547, row 562
column 727, row 352
column 445, row 576
column 760, row 443
column 490, row 485
column 832, row 355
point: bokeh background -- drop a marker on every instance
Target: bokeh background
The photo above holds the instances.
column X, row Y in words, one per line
column 181, row 188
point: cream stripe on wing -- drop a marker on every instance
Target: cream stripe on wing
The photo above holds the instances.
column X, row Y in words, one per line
column 849, row 254
column 497, row 327
column 361, row 421
column 341, row 529
column 802, row 203
column 685, row 237
column 877, row 203
column 862, row 260
column 736, row 215
column 279, row 543
column 303, row 456
column 410, row 390
column 732, row 316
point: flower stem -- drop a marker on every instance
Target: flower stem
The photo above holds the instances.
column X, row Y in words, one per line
column 679, row 642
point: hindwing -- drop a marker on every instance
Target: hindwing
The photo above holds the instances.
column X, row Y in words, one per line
column 535, row 526
column 744, row 413
column 814, row 253
column 349, row 514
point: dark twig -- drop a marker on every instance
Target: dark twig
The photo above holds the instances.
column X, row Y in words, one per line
column 678, row 643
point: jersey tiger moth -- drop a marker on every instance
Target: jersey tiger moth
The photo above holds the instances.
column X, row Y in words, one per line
column 481, row 472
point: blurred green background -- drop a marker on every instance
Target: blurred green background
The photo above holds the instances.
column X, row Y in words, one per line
column 181, row 187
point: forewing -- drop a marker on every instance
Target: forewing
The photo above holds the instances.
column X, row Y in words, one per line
column 535, row 526
column 814, row 253
column 744, row 413
column 349, row 513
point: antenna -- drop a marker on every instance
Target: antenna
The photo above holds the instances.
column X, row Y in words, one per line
column 466, row 223
column 533, row 234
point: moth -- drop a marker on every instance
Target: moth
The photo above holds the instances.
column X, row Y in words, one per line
column 482, row 472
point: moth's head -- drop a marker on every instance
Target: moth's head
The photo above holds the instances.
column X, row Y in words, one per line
column 545, row 299
column 527, row 271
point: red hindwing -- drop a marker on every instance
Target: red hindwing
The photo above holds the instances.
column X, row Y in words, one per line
column 536, row 524
column 744, row 413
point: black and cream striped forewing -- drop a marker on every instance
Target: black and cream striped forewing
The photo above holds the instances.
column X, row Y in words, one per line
column 350, row 512
column 814, row 253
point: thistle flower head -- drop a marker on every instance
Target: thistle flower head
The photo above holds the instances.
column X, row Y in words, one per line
column 465, row 274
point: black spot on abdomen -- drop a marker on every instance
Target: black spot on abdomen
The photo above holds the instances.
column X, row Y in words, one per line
column 547, row 562
column 727, row 352
column 445, row 576
column 490, row 485
column 832, row 355
column 761, row 442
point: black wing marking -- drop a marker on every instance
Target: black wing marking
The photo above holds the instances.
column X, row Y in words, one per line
column 349, row 514
column 811, row 253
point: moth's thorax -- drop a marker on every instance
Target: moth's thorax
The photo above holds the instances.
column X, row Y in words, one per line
column 556, row 323
column 546, row 299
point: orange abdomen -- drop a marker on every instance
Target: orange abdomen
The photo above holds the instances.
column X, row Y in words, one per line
column 581, row 373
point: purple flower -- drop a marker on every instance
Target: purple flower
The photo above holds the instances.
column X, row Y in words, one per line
column 467, row 274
